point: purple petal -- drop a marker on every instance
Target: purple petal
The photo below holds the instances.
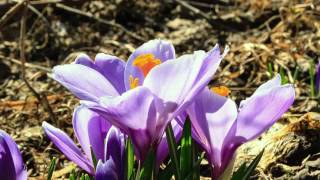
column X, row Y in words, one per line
column 91, row 130
column 115, row 147
column 180, row 80
column 86, row 83
column 106, row 171
column 111, row 67
column 212, row 117
column 135, row 112
column 162, row 50
column 263, row 109
column 65, row 144
column 11, row 163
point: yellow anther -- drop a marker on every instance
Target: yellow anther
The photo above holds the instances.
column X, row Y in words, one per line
column 146, row 62
column 221, row 90
column 134, row 82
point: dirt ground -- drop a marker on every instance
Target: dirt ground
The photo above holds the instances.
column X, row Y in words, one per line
column 265, row 37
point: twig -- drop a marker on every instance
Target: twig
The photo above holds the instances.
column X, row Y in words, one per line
column 41, row 98
column 197, row 11
column 27, row 65
column 116, row 25
column 11, row 12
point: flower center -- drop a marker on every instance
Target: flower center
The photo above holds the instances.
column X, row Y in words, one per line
column 221, row 90
column 144, row 62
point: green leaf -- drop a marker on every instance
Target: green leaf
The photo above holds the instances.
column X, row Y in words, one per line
column 52, row 167
column 195, row 171
column 72, row 175
column 129, row 159
column 270, row 70
column 284, row 79
column 243, row 173
column 186, row 159
column 173, row 151
column 148, row 167
column 94, row 159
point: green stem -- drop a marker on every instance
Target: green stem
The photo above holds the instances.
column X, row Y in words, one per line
column 173, row 151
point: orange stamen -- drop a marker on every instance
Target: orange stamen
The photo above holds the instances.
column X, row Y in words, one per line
column 146, row 62
column 134, row 82
column 221, row 90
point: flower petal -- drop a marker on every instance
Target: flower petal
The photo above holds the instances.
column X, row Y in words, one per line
column 161, row 49
column 106, row 170
column 86, row 83
column 67, row 147
column 11, row 163
column 111, row 67
column 180, row 80
column 211, row 124
column 135, row 113
column 91, row 130
column 263, row 109
column 114, row 148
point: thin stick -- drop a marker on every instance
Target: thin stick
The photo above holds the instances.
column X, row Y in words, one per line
column 203, row 15
column 26, row 65
column 41, row 98
column 103, row 21
column 11, row 12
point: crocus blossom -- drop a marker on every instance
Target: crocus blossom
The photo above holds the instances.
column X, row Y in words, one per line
column 220, row 128
column 144, row 111
column 11, row 162
column 155, row 88
column 317, row 84
column 94, row 135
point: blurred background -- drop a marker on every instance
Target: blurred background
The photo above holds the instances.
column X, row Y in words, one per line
column 265, row 37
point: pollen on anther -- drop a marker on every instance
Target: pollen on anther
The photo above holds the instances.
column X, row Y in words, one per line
column 134, row 82
column 221, row 90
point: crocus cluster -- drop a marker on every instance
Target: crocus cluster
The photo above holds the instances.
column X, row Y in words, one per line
column 11, row 163
column 137, row 99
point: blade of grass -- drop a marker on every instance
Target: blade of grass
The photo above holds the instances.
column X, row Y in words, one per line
column 148, row 167
column 52, row 167
column 173, row 151
column 312, row 74
column 186, row 159
column 129, row 159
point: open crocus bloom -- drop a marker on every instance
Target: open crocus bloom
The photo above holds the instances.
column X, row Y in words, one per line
column 220, row 128
column 144, row 95
column 11, row 163
column 94, row 135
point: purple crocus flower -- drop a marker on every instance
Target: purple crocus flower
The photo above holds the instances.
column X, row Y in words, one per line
column 220, row 128
column 94, row 135
column 11, row 162
column 144, row 95
column 317, row 84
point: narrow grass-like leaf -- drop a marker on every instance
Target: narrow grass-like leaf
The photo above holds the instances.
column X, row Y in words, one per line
column 284, row 79
column 243, row 173
column 186, row 159
column 173, row 148
column 52, row 167
column 270, row 70
column 72, row 175
column 129, row 159
column 195, row 171
column 148, row 167
column 94, row 159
